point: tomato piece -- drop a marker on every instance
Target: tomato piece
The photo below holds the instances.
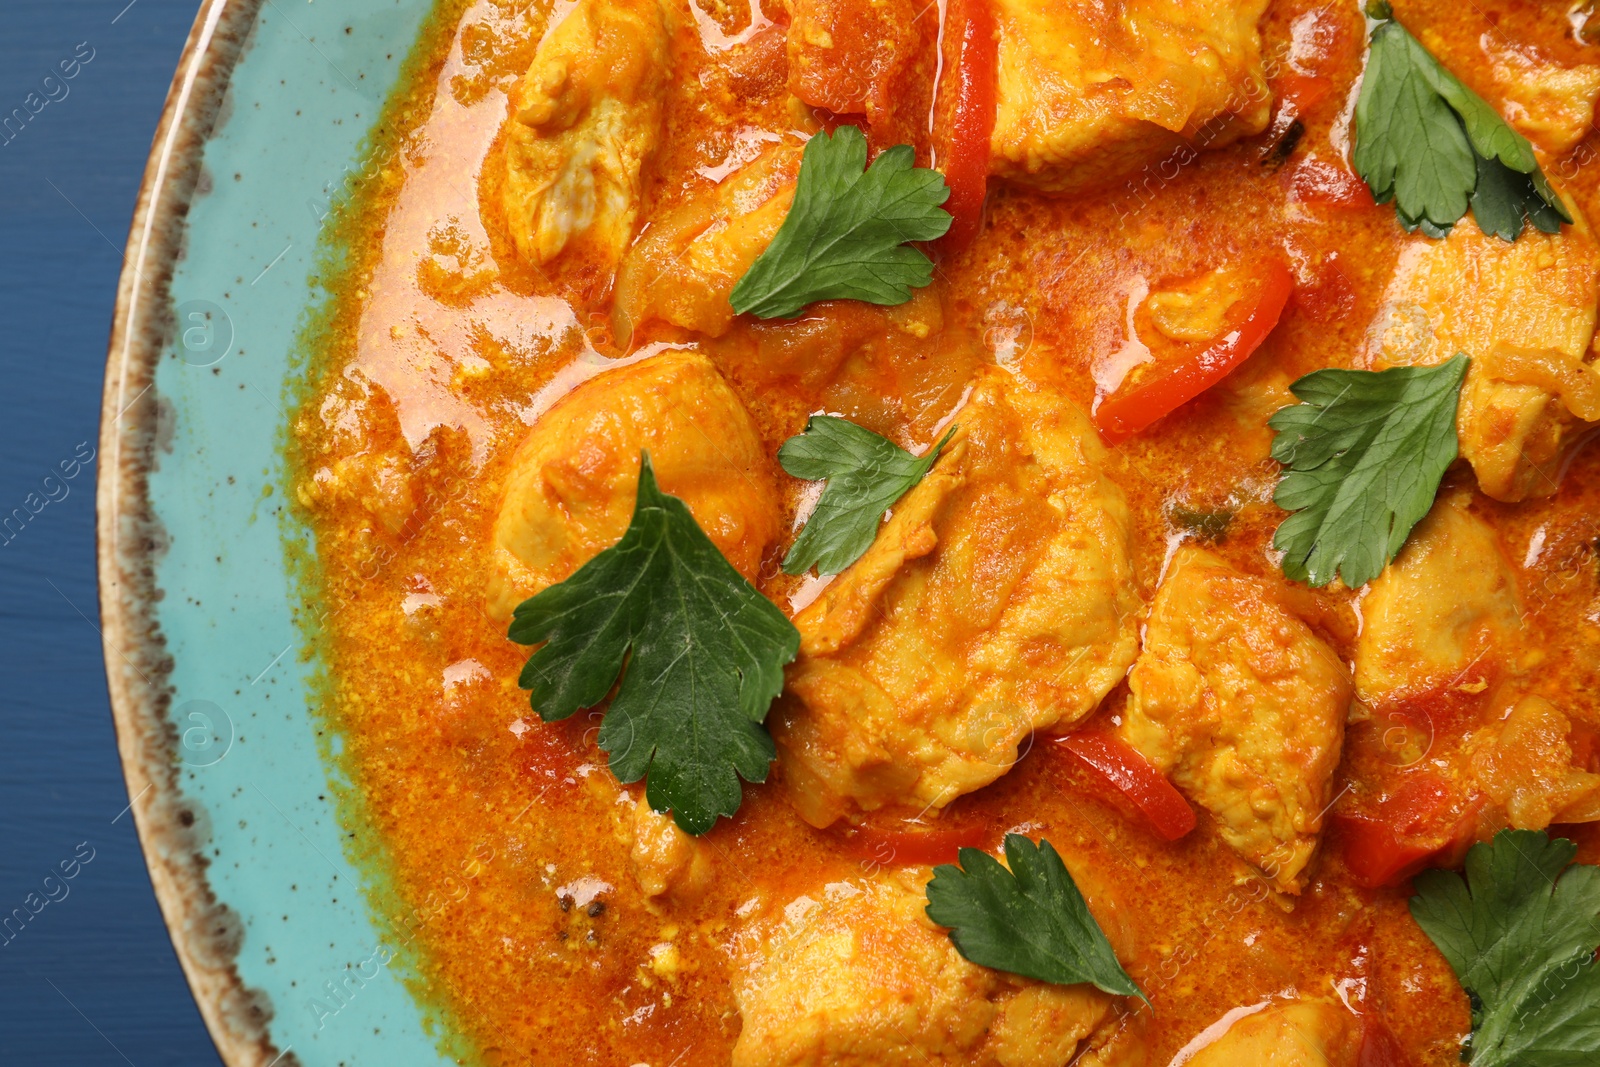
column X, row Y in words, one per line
column 1301, row 92
column 848, row 55
column 912, row 846
column 964, row 148
column 1585, row 744
column 1318, row 181
column 1379, row 1046
column 1376, row 854
column 1330, row 296
column 1136, row 779
column 1416, row 807
column 1324, row 39
column 1168, row 387
column 1414, row 827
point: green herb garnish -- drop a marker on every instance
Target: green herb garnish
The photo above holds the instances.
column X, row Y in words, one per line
column 704, row 651
column 1434, row 147
column 1520, row 932
column 1208, row 527
column 866, row 474
column 1364, row 453
column 1029, row 920
column 845, row 235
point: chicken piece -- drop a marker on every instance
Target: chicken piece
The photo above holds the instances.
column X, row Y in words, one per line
column 1551, row 104
column 1525, row 313
column 998, row 600
column 584, row 120
column 686, row 266
column 1090, row 92
column 1043, row 1025
column 864, row 979
column 571, row 487
column 1299, row 1033
column 1115, row 1045
column 1243, row 706
column 1526, row 765
column 1436, row 617
column 666, row 861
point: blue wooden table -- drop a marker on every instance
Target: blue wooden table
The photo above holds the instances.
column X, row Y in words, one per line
column 90, row 977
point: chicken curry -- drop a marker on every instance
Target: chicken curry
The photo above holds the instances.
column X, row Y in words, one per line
column 973, row 531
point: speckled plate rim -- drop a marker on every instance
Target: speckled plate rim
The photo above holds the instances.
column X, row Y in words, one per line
column 205, row 933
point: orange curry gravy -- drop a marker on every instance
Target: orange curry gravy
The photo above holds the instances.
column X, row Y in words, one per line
column 506, row 839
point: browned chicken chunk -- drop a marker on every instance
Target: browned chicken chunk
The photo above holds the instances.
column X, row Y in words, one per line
column 571, row 485
column 585, row 118
column 998, row 600
column 862, row 978
column 1524, row 312
column 1244, row 707
column 1091, row 92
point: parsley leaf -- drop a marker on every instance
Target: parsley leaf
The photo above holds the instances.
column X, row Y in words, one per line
column 1434, row 147
column 866, row 474
column 845, row 234
column 1504, row 198
column 1029, row 920
column 1364, row 454
column 1521, row 937
column 704, row 650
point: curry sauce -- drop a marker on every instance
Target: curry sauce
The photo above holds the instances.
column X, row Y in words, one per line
column 556, row 919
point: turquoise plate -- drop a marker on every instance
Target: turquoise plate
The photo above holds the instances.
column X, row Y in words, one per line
column 210, row 677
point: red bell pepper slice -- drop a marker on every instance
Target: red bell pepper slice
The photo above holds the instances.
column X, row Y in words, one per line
column 1136, row 779
column 1165, row 388
column 964, row 149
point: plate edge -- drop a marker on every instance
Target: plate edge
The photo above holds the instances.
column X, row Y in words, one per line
column 206, row 934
